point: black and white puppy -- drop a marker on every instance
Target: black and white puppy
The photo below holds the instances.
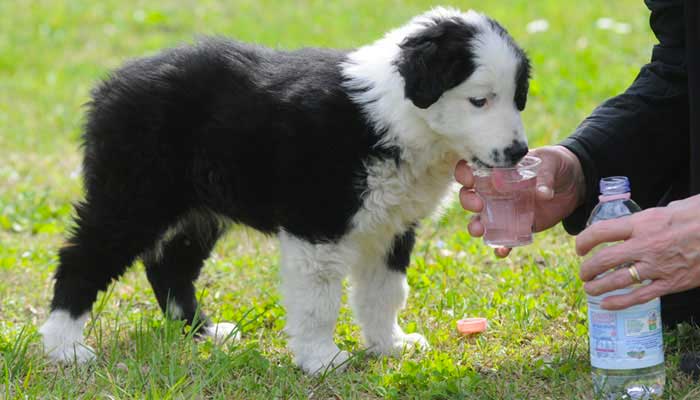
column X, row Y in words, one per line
column 339, row 154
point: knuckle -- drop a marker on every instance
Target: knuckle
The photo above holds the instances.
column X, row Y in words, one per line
column 660, row 243
column 605, row 226
column 657, row 217
column 660, row 289
column 605, row 258
column 678, row 281
column 647, row 296
column 622, row 279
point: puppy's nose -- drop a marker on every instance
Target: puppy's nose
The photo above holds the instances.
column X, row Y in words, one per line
column 515, row 151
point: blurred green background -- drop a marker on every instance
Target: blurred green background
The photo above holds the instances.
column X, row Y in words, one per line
column 53, row 52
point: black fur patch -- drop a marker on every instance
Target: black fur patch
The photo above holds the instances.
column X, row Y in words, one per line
column 523, row 73
column 399, row 256
column 266, row 138
column 515, row 152
column 262, row 137
column 522, row 83
column 436, row 59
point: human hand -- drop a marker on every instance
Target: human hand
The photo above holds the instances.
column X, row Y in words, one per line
column 662, row 243
column 560, row 189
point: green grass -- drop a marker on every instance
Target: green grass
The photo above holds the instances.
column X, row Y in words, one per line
column 52, row 53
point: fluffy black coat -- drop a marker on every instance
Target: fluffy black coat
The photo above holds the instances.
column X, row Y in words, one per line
column 265, row 138
column 244, row 131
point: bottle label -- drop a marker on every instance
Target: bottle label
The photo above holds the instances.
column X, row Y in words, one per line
column 626, row 339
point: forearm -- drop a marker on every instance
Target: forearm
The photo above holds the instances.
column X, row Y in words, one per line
column 641, row 134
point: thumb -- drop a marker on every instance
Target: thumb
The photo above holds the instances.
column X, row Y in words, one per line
column 545, row 182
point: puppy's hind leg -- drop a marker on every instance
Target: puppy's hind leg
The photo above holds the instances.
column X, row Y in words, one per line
column 173, row 266
column 101, row 247
column 378, row 292
column 312, row 276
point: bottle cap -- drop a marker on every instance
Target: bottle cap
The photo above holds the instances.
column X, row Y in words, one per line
column 614, row 185
column 470, row 326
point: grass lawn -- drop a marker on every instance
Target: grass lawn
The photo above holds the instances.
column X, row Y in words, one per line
column 53, row 51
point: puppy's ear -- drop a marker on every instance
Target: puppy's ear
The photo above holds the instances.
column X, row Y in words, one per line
column 436, row 59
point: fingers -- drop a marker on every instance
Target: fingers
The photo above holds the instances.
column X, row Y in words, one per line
column 546, row 172
column 608, row 258
column 463, row 174
column 618, row 279
column 470, row 200
column 603, row 232
column 501, row 252
column 475, row 227
column 545, row 183
column 639, row 296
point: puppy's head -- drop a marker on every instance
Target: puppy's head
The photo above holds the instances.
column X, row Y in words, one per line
column 469, row 82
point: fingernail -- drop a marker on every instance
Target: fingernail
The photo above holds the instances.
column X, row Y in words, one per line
column 544, row 190
column 589, row 291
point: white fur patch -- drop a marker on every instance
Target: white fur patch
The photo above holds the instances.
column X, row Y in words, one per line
column 155, row 254
column 222, row 332
column 174, row 310
column 63, row 338
column 311, row 288
column 377, row 295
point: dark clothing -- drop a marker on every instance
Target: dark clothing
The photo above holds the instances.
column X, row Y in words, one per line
column 651, row 132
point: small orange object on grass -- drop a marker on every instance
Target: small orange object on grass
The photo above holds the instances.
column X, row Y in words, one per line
column 469, row 326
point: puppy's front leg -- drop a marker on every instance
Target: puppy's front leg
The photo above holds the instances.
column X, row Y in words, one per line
column 311, row 291
column 378, row 292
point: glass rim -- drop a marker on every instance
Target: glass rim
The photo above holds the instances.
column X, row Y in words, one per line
column 527, row 163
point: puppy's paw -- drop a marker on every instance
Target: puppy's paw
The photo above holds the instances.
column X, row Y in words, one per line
column 78, row 353
column 221, row 332
column 62, row 336
column 399, row 343
column 315, row 364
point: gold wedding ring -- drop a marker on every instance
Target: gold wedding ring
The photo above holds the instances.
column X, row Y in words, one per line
column 634, row 274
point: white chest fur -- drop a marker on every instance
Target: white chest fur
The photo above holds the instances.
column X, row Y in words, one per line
column 398, row 196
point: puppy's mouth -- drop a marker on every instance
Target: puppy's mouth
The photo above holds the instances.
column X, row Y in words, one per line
column 478, row 164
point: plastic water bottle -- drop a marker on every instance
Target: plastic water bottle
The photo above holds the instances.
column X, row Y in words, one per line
column 627, row 358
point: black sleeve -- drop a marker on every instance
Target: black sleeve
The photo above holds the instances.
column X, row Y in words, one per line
column 643, row 133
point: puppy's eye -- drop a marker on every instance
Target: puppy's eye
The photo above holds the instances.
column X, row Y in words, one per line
column 477, row 102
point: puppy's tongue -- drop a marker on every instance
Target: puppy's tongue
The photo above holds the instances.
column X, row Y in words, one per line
column 505, row 181
column 499, row 179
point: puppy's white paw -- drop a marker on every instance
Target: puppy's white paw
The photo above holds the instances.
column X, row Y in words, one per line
column 70, row 353
column 318, row 363
column 400, row 343
column 63, row 338
column 412, row 340
column 221, row 332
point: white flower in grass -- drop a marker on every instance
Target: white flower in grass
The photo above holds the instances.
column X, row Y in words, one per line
column 582, row 43
column 537, row 26
column 75, row 174
column 605, row 23
column 622, row 28
column 446, row 252
column 609, row 24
